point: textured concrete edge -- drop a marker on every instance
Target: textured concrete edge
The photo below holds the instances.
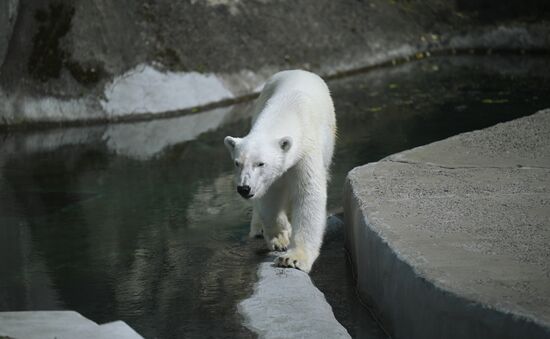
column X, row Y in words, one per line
column 409, row 305
column 286, row 304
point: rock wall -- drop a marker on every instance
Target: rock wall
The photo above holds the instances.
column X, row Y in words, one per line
column 8, row 13
column 70, row 60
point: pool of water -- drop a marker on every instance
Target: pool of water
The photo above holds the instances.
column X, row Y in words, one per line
column 140, row 221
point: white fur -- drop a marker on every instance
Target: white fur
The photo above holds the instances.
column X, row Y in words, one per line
column 285, row 161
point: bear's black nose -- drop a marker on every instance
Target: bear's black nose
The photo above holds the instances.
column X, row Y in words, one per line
column 244, row 191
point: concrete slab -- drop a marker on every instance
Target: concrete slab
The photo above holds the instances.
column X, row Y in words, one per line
column 59, row 325
column 42, row 324
column 450, row 240
column 116, row 329
column 286, row 304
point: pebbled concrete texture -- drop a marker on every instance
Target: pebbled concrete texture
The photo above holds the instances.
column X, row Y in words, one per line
column 450, row 240
column 66, row 61
column 60, row 325
column 286, row 304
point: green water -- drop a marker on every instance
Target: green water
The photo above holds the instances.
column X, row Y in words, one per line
column 141, row 222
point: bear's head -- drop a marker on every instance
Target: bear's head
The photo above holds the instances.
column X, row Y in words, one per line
column 258, row 163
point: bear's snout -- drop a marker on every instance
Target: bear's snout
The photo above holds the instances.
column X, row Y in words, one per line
column 244, row 191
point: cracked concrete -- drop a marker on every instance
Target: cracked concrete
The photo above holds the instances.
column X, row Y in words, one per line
column 450, row 240
column 458, row 167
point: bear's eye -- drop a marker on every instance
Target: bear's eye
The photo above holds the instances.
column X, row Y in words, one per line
column 260, row 164
column 237, row 164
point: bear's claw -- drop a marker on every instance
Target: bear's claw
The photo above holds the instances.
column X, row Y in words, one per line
column 279, row 248
column 287, row 262
column 294, row 259
column 279, row 243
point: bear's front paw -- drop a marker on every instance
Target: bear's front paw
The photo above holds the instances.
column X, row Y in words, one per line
column 280, row 242
column 295, row 258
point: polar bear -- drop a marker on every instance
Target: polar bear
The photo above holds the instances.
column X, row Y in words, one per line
column 282, row 165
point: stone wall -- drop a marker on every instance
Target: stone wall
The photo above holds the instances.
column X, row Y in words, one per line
column 8, row 14
column 74, row 61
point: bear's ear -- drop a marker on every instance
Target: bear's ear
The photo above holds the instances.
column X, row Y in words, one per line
column 285, row 143
column 230, row 143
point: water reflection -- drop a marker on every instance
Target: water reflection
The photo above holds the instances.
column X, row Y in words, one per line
column 139, row 221
column 157, row 243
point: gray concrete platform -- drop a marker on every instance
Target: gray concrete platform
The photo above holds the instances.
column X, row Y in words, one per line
column 60, row 325
column 452, row 239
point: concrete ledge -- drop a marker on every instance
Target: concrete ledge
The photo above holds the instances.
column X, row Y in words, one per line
column 60, row 325
column 450, row 240
column 286, row 304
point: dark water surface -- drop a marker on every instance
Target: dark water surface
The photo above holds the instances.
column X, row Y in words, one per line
column 140, row 222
